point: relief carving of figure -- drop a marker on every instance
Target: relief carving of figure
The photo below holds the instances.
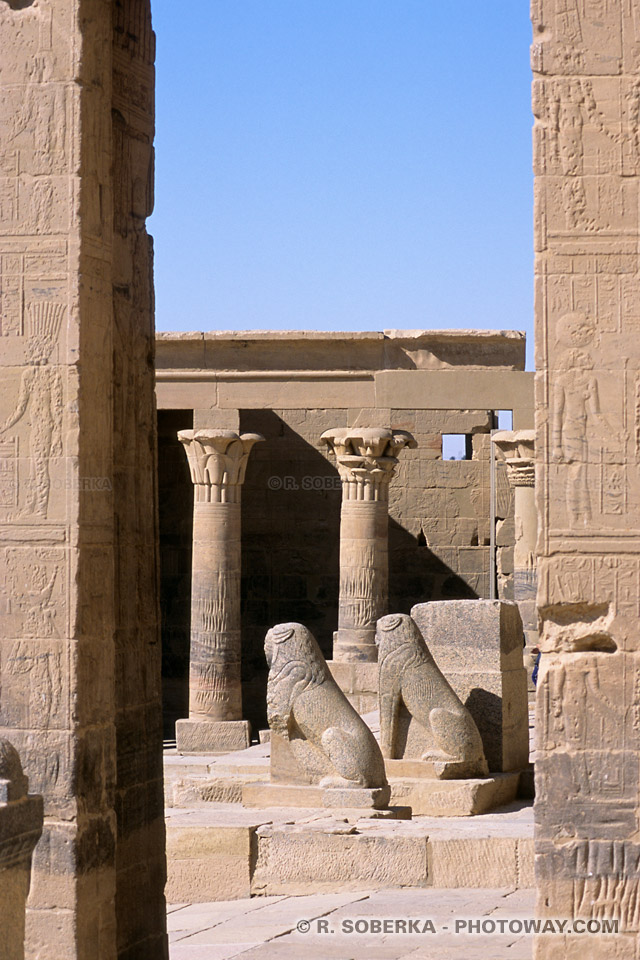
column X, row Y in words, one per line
column 306, row 707
column 410, row 680
column 579, row 430
column 41, row 396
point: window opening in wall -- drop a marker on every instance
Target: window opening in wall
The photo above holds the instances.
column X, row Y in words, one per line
column 504, row 419
column 457, row 446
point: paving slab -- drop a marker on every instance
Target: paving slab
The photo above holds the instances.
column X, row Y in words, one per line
column 266, row 929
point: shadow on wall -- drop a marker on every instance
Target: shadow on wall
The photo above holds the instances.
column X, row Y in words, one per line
column 176, row 523
column 418, row 574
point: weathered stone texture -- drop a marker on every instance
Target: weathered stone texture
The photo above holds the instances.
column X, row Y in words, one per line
column 586, row 96
column 317, row 737
column 421, row 717
column 80, row 652
column 478, row 646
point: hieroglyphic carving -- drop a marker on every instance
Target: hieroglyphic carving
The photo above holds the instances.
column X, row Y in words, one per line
column 581, row 434
column 592, row 580
column 9, row 472
column 36, row 686
column 587, row 36
column 41, row 394
column 587, row 134
column 34, row 584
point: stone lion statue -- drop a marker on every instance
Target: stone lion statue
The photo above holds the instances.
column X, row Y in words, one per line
column 13, row 783
column 413, row 690
column 307, row 708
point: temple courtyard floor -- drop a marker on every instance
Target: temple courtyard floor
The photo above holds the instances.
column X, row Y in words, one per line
column 420, row 925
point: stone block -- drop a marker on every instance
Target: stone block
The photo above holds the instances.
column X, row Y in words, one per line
column 297, row 860
column 210, row 736
column 206, row 790
column 505, row 533
column 260, row 795
column 505, row 561
column 208, row 862
column 488, row 862
column 449, row 798
column 355, row 678
column 478, row 646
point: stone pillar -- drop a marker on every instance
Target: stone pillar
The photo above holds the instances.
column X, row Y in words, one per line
column 586, row 96
column 218, row 463
column 518, row 450
column 366, row 460
column 21, row 819
column 79, row 627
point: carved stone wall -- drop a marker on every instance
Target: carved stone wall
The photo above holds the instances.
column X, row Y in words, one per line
column 79, row 650
column 586, row 95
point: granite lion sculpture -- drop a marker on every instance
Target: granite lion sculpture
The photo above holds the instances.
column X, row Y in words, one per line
column 306, row 707
column 409, row 677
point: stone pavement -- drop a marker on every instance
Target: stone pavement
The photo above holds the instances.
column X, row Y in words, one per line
column 264, row 928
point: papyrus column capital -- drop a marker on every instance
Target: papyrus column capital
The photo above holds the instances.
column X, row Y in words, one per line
column 218, row 462
column 518, row 451
column 366, row 459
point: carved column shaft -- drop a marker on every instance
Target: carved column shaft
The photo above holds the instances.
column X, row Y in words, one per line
column 518, row 450
column 366, row 461
column 218, row 463
column 214, row 668
column 364, row 571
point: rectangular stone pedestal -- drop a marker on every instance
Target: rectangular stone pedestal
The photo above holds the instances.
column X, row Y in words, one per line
column 452, row 798
column 366, row 802
column 212, row 736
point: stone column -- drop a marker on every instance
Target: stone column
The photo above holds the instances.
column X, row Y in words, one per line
column 366, row 460
column 218, row 463
column 586, row 99
column 518, row 450
column 21, row 818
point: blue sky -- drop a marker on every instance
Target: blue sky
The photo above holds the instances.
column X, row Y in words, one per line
column 343, row 165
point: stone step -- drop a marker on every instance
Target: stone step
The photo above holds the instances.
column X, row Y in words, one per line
column 222, row 851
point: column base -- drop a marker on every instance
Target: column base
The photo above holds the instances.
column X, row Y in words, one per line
column 212, row 736
column 349, row 646
column 355, row 653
